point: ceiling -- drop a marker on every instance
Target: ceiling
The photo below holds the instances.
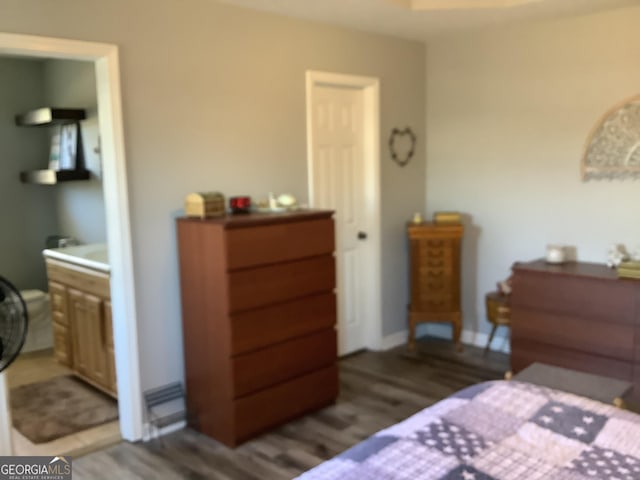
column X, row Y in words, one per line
column 425, row 19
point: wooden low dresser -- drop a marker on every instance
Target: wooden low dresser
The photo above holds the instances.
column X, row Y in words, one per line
column 576, row 315
column 259, row 314
column 434, row 264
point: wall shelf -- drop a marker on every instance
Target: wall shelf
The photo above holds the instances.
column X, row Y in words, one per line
column 42, row 117
column 52, row 177
column 47, row 116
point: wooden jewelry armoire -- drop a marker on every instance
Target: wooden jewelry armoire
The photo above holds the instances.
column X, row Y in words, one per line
column 434, row 262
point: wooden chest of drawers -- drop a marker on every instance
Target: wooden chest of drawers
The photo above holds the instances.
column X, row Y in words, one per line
column 259, row 313
column 435, row 276
column 577, row 315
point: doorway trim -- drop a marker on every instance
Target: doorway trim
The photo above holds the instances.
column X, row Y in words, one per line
column 106, row 61
column 372, row 279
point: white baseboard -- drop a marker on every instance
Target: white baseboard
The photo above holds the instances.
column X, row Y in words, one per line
column 151, row 433
column 395, row 340
column 468, row 337
column 479, row 339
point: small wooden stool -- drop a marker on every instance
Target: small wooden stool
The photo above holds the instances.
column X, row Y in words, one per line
column 498, row 312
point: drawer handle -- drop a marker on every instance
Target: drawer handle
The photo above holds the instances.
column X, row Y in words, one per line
column 436, row 285
column 435, row 263
column 435, row 273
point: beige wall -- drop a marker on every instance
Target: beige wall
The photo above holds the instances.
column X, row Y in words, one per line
column 80, row 205
column 214, row 99
column 28, row 211
column 508, row 114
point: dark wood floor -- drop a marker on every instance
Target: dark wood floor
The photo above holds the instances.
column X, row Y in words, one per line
column 377, row 389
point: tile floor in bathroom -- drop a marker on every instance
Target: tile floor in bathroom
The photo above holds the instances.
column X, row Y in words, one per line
column 37, row 366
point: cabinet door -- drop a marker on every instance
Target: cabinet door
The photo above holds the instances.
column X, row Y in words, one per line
column 97, row 353
column 58, row 302
column 62, row 348
column 87, row 317
column 62, row 345
column 81, row 331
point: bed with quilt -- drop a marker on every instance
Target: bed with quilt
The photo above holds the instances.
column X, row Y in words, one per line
column 499, row 430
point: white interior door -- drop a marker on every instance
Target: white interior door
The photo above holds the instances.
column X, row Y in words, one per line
column 337, row 146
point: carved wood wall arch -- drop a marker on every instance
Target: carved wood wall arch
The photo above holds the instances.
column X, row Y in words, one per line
column 612, row 150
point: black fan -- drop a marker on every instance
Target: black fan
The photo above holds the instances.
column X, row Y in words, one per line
column 13, row 323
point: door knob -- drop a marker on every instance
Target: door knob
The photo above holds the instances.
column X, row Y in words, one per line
column 362, row 236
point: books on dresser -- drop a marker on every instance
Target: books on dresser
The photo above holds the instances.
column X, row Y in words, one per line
column 629, row 270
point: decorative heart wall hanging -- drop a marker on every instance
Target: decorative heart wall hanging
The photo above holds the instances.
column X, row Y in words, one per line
column 402, row 144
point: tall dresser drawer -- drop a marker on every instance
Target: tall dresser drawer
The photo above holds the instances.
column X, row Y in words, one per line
column 267, row 244
column 434, row 303
column 256, row 413
column 263, row 286
column 255, row 329
column 433, row 251
column 524, row 352
column 611, row 301
column 613, row 340
column 283, row 361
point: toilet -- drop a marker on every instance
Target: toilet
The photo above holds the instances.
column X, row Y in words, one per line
column 40, row 331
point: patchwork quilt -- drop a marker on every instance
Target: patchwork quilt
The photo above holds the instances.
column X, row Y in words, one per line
column 499, row 430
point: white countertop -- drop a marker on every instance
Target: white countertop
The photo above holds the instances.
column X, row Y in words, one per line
column 94, row 255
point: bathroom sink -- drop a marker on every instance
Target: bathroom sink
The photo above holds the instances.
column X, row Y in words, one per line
column 94, row 255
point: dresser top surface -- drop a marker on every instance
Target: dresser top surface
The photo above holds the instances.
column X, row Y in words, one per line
column 573, row 269
column 427, row 229
column 258, row 218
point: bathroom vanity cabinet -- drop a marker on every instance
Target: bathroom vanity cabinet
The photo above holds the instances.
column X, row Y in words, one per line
column 81, row 314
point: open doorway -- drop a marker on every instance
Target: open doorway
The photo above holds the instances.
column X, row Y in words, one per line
column 122, row 305
column 67, row 358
